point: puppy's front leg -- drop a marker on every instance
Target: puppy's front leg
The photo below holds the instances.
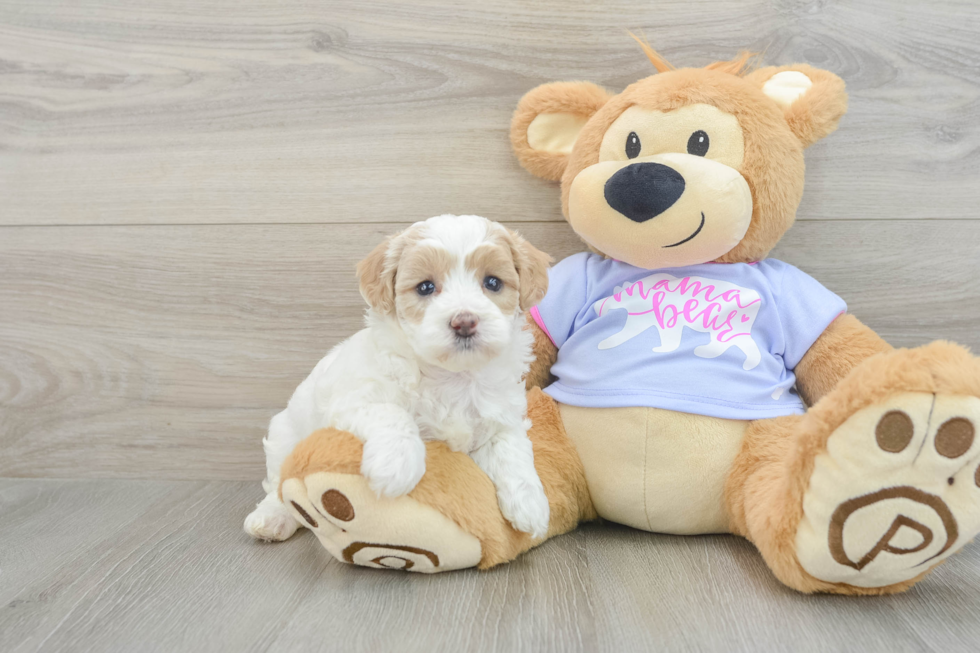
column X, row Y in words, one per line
column 393, row 461
column 508, row 459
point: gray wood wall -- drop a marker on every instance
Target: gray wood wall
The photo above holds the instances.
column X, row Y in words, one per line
column 185, row 187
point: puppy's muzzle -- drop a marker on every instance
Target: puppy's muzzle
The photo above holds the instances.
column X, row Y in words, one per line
column 464, row 324
column 642, row 191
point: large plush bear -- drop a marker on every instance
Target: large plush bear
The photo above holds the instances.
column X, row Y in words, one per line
column 678, row 361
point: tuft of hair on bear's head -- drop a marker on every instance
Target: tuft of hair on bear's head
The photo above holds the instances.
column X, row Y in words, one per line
column 740, row 66
column 661, row 64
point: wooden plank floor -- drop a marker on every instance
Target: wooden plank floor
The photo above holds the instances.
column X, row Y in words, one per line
column 165, row 566
column 185, row 188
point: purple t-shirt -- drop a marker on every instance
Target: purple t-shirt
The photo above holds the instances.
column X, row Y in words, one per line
column 713, row 339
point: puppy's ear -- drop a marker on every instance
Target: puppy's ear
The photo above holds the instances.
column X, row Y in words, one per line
column 376, row 275
column 547, row 122
column 532, row 270
column 812, row 100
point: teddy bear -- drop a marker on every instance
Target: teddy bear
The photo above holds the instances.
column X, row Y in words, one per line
column 683, row 382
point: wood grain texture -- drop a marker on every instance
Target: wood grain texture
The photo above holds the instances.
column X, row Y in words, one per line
column 190, row 112
column 185, row 187
column 713, row 593
column 164, row 566
column 164, row 350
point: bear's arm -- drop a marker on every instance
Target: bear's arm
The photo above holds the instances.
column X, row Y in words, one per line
column 545, row 355
column 839, row 349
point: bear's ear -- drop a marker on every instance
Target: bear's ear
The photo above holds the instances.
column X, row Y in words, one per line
column 547, row 121
column 812, row 100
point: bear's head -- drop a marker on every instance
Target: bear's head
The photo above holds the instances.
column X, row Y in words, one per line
column 684, row 167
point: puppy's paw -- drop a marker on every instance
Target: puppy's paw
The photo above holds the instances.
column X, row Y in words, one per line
column 525, row 506
column 393, row 466
column 270, row 521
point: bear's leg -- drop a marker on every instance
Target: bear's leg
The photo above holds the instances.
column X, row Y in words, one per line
column 449, row 521
column 876, row 485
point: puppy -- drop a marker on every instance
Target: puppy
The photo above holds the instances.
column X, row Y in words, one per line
column 442, row 358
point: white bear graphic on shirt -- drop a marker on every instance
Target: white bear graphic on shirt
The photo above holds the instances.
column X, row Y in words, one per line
column 721, row 309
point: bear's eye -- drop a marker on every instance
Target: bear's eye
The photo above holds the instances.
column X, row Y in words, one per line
column 633, row 145
column 425, row 288
column 698, row 143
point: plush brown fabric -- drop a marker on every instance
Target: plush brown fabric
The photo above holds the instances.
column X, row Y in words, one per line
column 765, row 500
column 457, row 488
column 774, row 137
column 816, row 114
column 765, row 488
column 545, row 355
column 558, row 465
column 845, row 344
column 325, row 450
column 847, row 369
column 659, row 63
column 577, row 98
column 773, row 162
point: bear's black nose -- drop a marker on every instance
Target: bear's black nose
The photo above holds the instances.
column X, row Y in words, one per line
column 641, row 191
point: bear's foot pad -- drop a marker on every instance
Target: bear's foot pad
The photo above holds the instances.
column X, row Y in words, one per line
column 896, row 492
column 357, row 527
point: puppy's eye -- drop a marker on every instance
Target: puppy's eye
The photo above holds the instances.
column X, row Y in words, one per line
column 633, row 145
column 698, row 143
column 425, row 288
column 493, row 284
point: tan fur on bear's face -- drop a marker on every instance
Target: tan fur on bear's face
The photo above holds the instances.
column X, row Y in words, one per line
column 738, row 197
column 770, row 161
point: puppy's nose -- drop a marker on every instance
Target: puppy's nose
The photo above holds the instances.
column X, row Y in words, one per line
column 641, row 191
column 464, row 324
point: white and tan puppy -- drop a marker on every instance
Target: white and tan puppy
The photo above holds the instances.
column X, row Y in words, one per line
column 442, row 358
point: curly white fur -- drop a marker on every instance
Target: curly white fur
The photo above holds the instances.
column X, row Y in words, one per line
column 399, row 382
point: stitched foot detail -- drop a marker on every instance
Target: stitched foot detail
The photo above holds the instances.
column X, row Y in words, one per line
column 357, row 527
column 896, row 492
